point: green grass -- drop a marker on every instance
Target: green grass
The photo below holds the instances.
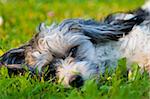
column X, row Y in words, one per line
column 21, row 17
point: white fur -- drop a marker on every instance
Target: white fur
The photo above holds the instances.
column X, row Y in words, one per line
column 136, row 46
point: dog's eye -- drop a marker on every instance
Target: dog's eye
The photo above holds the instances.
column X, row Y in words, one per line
column 73, row 51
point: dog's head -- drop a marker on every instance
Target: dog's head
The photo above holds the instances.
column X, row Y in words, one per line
column 73, row 54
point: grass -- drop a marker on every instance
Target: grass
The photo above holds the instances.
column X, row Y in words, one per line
column 20, row 19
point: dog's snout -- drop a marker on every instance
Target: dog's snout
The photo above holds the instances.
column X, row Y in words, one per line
column 76, row 81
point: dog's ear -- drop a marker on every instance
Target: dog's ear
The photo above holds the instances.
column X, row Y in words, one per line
column 113, row 28
column 13, row 58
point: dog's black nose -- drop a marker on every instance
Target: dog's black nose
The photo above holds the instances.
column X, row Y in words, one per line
column 76, row 81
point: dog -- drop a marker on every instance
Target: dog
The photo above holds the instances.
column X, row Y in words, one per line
column 79, row 49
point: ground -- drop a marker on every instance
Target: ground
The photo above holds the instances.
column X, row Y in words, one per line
column 18, row 22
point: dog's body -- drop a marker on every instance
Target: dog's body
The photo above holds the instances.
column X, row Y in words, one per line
column 81, row 49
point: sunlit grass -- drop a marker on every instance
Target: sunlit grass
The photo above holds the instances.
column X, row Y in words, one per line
column 20, row 19
column 111, row 85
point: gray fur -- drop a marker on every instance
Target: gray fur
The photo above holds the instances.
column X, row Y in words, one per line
column 99, row 44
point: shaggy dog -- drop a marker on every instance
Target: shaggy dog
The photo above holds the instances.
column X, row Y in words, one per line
column 81, row 49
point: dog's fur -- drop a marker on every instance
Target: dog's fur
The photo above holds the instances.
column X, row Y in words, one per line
column 81, row 49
